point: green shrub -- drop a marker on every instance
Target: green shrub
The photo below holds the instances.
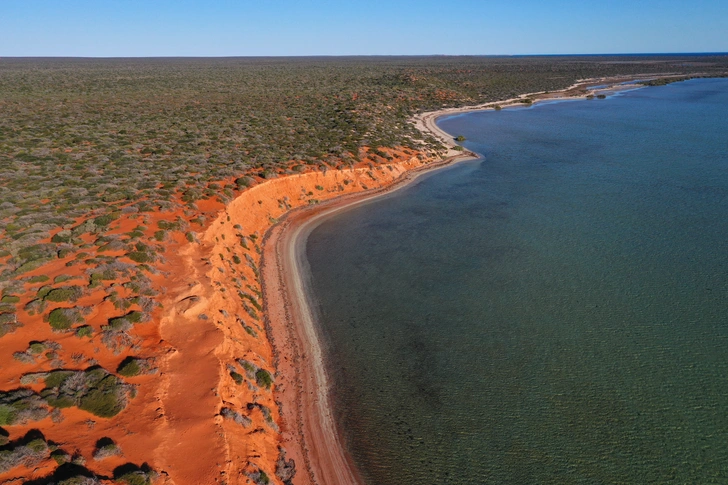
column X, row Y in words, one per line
column 263, row 378
column 10, row 299
column 8, row 323
column 105, row 448
column 105, row 400
column 7, row 415
column 43, row 291
column 125, row 322
column 36, row 347
column 243, row 182
column 238, row 378
column 35, row 306
column 62, row 237
column 170, row 225
column 66, row 293
column 85, row 331
column 62, row 253
column 59, row 402
column 61, row 457
column 64, row 318
column 57, row 378
column 140, row 256
column 107, row 274
column 135, row 317
column 20, row 406
column 106, row 219
column 93, row 390
column 41, row 278
column 135, row 478
column 129, row 368
column 31, row 265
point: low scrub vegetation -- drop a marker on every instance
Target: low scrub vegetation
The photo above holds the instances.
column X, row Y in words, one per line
column 64, row 318
column 105, row 448
column 28, row 451
column 134, row 366
column 94, row 390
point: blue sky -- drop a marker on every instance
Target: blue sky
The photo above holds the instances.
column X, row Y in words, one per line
column 111, row 28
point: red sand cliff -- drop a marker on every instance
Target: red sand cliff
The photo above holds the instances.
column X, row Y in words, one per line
column 209, row 415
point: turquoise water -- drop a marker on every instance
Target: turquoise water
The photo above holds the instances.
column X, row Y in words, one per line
column 556, row 312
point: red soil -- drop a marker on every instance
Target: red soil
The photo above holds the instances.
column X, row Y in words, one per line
column 195, row 336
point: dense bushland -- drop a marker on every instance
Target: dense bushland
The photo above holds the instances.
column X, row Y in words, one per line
column 81, row 136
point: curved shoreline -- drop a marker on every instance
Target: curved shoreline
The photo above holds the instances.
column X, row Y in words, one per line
column 582, row 89
column 309, row 434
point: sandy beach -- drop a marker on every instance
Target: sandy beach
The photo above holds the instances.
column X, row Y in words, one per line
column 310, row 435
column 583, row 89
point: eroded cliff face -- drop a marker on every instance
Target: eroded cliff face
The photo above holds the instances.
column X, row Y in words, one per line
column 219, row 384
column 186, row 307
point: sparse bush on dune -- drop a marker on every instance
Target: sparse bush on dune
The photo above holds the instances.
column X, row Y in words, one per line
column 131, row 474
column 35, row 306
column 62, row 319
column 141, row 256
column 64, row 293
column 134, row 366
column 263, row 378
column 93, row 390
column 238, row 378
column 61, row 457
column 235, row 416
column 259, row 477
column 21, row 406
column 116, row 337
column 8, row 323
column 35, row 349
column 84, row 331
column 28, row 451
column 129, row 368
column 71, row 471
column 106, row 447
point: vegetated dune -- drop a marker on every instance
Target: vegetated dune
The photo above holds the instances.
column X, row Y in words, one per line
column 158, row 362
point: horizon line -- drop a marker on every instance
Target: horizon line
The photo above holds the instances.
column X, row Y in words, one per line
column 617, row 54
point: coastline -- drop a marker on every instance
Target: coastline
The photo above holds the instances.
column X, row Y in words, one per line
column 582, row 89
column 309, row 433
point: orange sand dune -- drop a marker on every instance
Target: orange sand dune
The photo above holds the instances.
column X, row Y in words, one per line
column 211, row 412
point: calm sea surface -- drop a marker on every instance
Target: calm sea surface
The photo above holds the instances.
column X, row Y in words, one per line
column 555, row 313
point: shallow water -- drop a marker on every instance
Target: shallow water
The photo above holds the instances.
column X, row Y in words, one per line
column 554, row 313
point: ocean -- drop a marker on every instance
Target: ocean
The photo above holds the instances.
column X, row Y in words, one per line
column 553, row 313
